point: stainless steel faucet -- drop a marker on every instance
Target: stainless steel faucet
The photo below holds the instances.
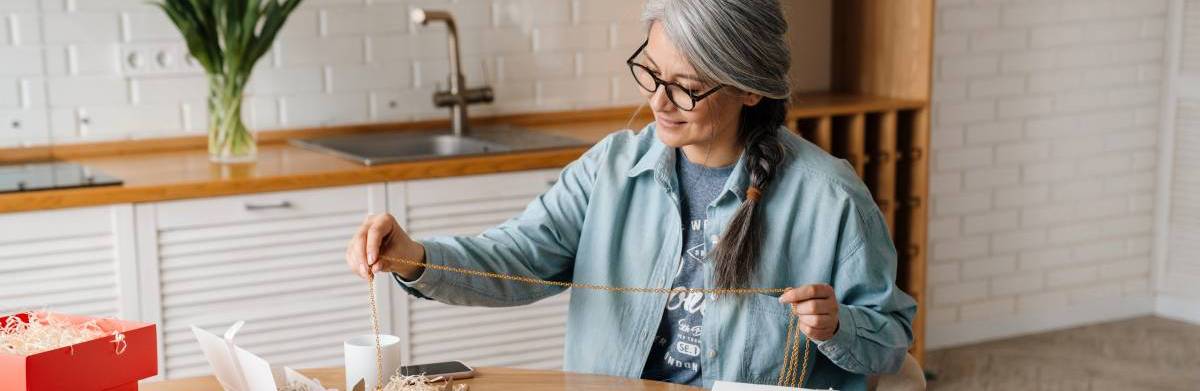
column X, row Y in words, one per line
column 458, row 97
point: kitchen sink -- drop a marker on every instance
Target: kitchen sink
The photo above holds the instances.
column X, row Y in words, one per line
column 399, row 146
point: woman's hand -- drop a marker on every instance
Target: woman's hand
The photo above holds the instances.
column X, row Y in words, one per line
column 817, row 308
column 380, row 235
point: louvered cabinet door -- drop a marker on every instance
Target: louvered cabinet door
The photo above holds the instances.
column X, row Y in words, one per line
column 274, row 260
column 528, row 336
column 70, row 261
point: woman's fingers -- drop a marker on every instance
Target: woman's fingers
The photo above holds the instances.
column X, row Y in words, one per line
column 376, row 234
column 807, row 292
column 815, row 307
column 356, row 249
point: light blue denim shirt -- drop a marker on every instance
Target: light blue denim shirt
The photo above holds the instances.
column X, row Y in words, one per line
column 613, row 219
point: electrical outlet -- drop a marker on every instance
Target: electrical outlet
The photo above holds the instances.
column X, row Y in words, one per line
column 157, row 59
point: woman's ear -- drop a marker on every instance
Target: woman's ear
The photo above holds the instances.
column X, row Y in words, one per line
column 751, row 99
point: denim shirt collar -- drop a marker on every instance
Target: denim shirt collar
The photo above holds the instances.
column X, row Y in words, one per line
column 660, row 160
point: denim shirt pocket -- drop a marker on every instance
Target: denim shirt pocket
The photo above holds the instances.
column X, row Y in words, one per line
column 762, row 357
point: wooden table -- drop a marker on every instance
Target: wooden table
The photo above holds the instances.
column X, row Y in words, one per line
column 485, row 379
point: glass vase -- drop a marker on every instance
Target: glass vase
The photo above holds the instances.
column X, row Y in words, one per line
column 229, row 141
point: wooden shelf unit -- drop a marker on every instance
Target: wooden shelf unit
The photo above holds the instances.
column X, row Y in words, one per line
column 876, row 116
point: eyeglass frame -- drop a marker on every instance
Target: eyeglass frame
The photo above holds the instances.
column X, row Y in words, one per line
column 660, row 82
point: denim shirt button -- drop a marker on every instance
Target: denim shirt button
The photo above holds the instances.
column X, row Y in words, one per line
column 712, row 353
column 714, row 239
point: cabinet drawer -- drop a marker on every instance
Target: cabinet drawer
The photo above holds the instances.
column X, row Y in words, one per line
column 251, row 207
column 480, row 187
column 25, row 226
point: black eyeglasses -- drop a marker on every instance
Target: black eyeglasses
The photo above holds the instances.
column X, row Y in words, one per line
column 680, row 96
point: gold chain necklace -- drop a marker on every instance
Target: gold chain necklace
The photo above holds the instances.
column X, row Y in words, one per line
column 788, row 376
column 375, row 329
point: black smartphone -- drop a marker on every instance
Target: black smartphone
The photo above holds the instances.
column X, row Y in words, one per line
column 448, row 369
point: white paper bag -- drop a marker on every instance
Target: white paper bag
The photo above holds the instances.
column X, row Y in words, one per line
column 239, row 370
column 732, row 386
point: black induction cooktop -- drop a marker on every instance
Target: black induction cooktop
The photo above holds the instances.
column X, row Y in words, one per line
column 51, row 175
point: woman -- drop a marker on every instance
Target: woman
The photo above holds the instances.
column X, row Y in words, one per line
column 714, row 193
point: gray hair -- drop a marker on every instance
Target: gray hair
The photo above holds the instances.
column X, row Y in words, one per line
column 742, row 44
column 739, row 43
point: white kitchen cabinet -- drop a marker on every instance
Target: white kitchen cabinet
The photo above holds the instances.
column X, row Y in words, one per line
column 76, row 261
column 529, row 336
column 274, row 260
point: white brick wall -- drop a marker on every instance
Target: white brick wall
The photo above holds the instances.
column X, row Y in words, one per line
column 23, row 115
column 336, row 62
column 1178, row 266
column 1044, row 132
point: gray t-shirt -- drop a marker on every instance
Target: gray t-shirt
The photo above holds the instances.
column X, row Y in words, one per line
column 675, row 354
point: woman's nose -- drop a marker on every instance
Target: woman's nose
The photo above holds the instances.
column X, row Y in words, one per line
column 659, row 100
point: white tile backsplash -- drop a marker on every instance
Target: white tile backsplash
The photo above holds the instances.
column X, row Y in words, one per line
column 19, row 5
column 509, row 13
column 303, row 23
column 539, row 66
column 139, row 121
column 158, row 90
column 581, row 37
column 93, row 59
column 20, row 61
column 10, row 93
column 588, row 11
column 397, row 105
column 369, row 77
column 362, row 20
column 325, row 109
column 5, row 32
column 81, row 27
column 152, row 26
column 87, row 90
column 26, row 28
column 586, row 91
column 335, row 62
column 33, row 93
column 102, row 5
column 321, row 51
column 259, row 112
column 285, row 81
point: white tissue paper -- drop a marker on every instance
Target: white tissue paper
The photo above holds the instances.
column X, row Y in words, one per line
column 731, row 386
column 239, row 370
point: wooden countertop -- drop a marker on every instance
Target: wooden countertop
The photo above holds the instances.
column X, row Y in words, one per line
column 485, row 379
column 178, row 168
column 168, row 173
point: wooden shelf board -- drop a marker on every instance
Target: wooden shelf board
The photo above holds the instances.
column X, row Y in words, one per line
column 809, row 105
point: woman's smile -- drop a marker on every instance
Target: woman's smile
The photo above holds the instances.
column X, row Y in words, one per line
column 667, row 123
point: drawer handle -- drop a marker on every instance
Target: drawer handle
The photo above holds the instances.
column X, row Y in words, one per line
column 277, row 205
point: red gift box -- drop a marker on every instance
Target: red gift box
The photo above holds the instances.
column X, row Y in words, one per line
column 93, row 365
